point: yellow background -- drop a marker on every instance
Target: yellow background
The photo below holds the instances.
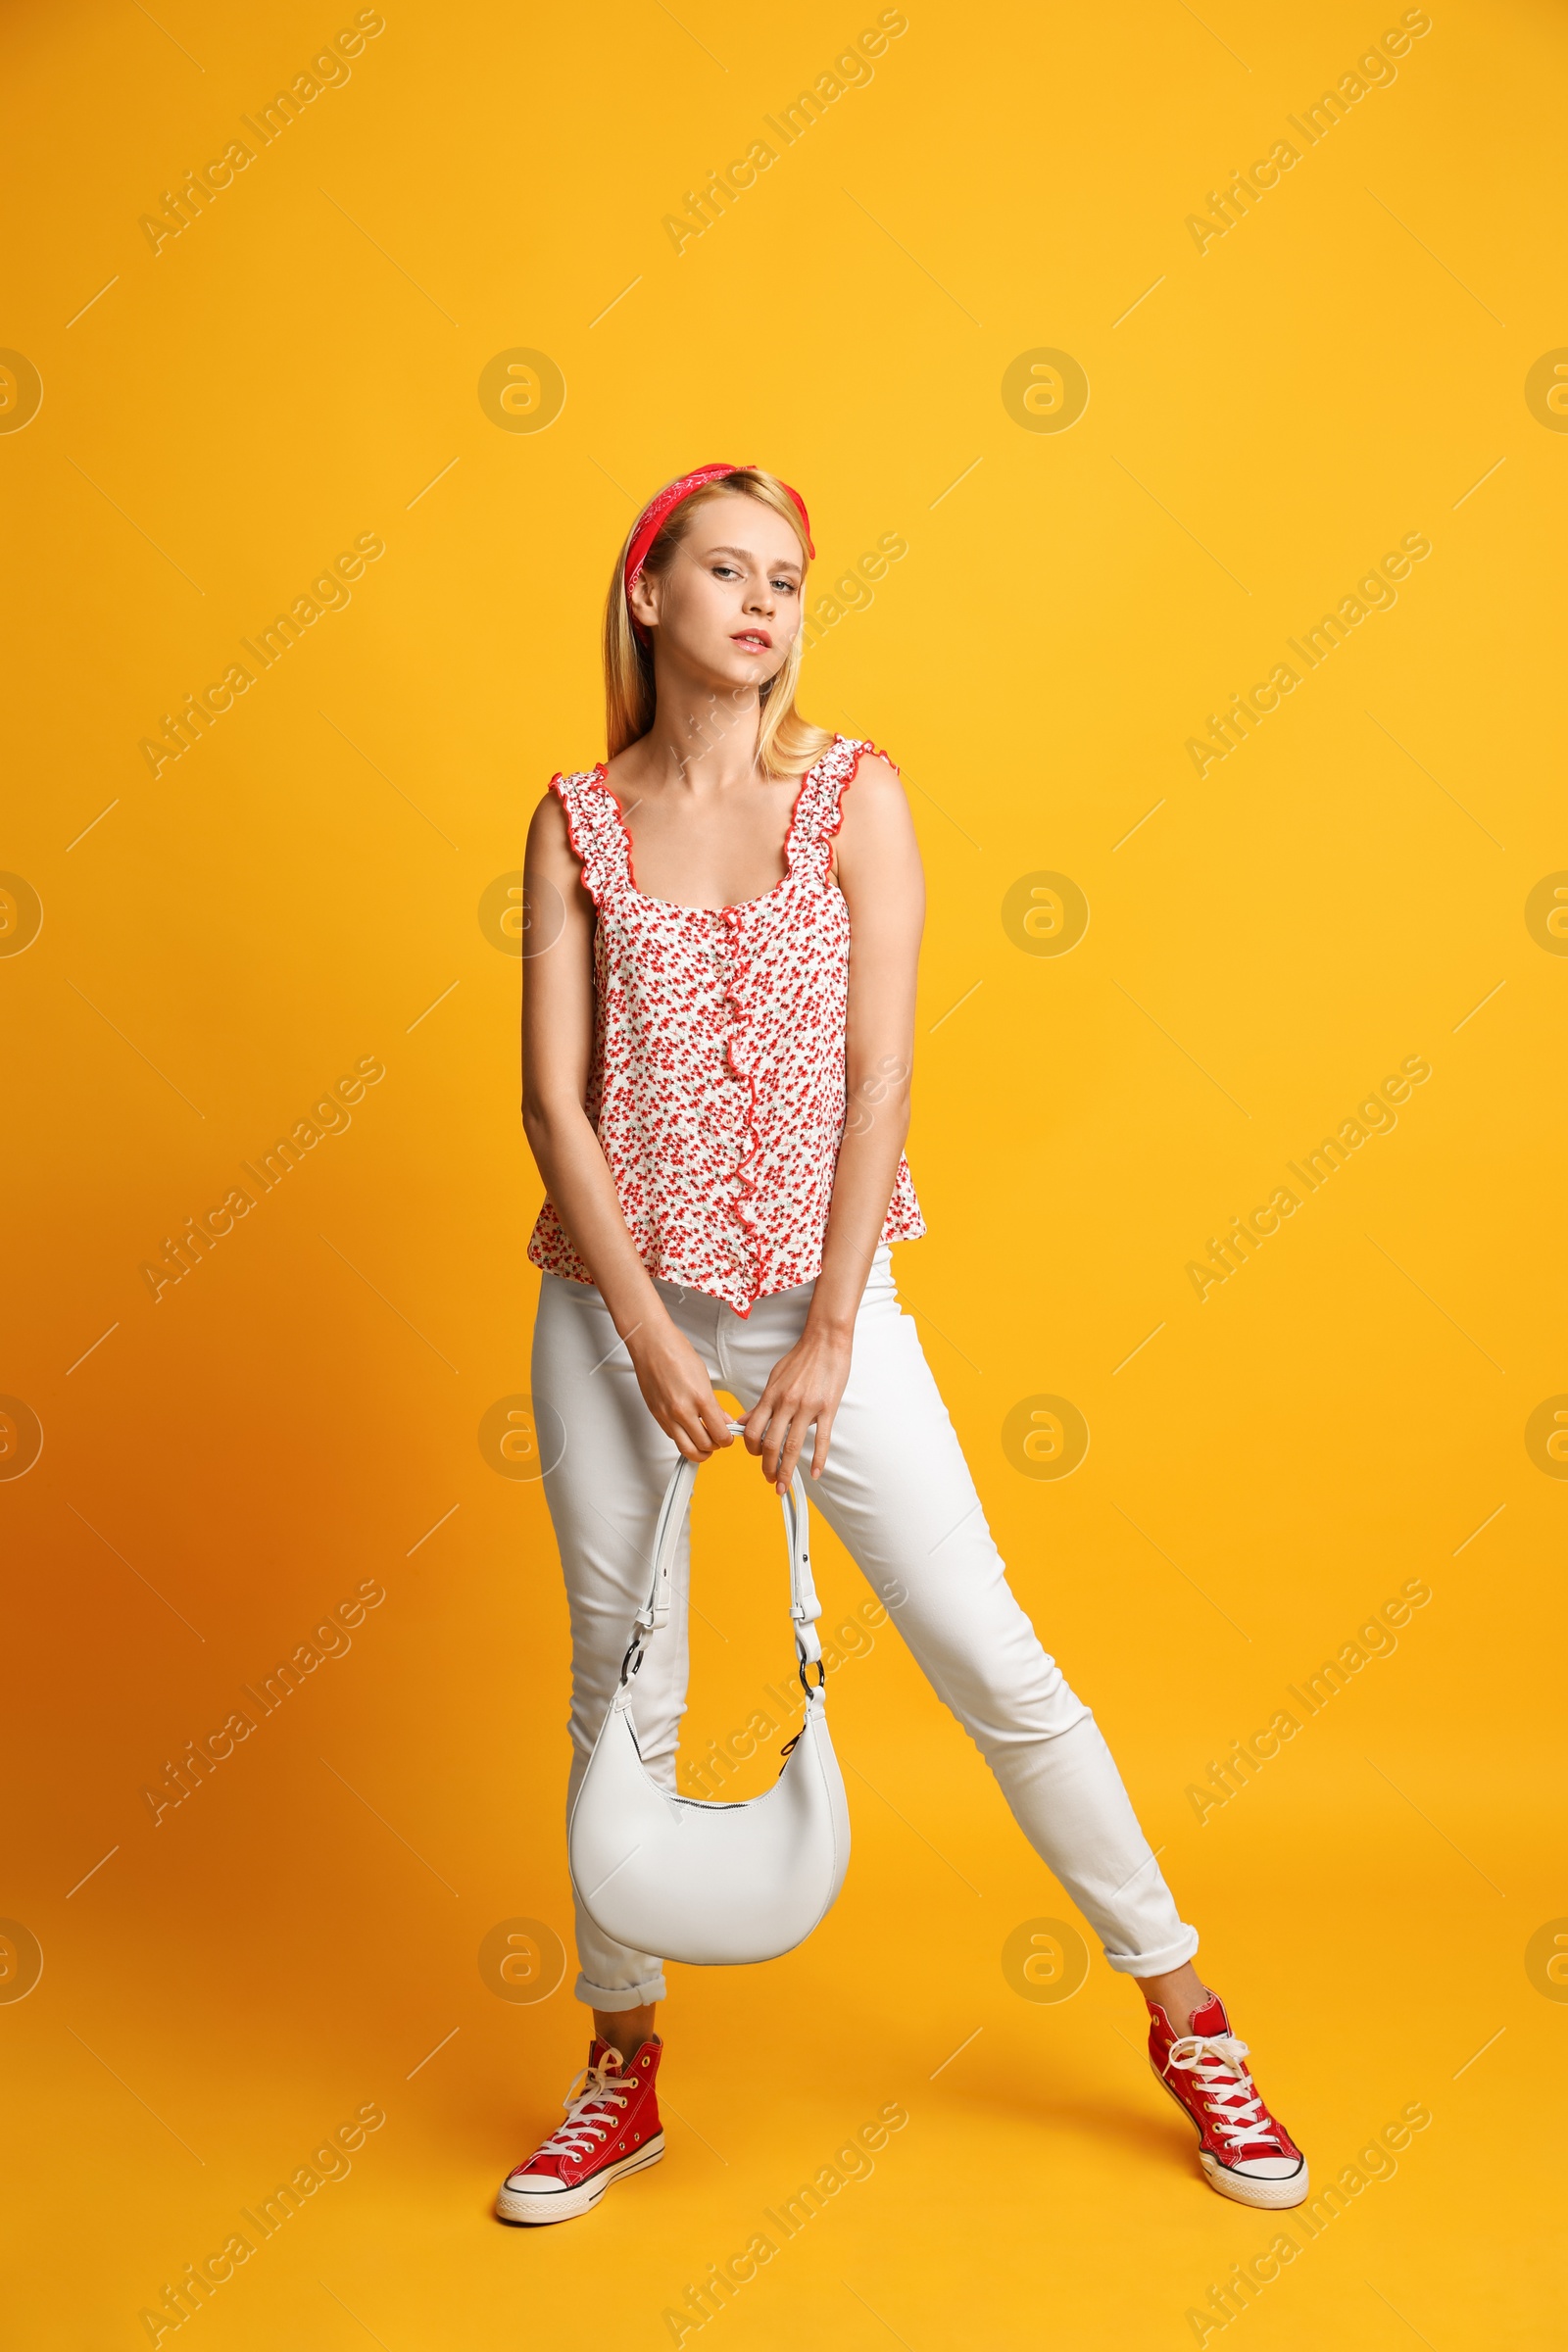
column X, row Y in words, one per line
column 296, row 368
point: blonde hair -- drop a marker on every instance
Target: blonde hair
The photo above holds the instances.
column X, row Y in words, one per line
column 787, row 743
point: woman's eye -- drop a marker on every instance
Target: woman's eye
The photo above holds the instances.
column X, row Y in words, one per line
column 785, row 587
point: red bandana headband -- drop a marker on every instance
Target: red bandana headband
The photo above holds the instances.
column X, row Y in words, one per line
column 651, row 522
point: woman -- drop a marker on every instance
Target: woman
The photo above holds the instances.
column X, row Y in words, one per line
column 717, row 1096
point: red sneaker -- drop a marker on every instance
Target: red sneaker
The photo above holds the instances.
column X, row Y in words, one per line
column 1244, row 2152
column 611, row 2129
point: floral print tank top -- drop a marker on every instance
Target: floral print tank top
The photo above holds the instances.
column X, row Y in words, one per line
column 718, row 1086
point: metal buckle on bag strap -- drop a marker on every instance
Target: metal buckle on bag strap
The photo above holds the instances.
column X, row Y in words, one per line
column 654, row 1611
column 804, row 1608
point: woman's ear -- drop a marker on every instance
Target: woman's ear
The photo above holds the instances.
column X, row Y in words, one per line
column 643, row 600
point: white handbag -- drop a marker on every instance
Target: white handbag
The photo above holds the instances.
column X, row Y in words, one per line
column 713, row 1883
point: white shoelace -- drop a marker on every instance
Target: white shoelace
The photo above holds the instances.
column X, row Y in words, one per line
column 1219, row 2064
column 597, row 2090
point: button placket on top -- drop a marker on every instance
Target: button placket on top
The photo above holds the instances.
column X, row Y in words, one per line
column 741, row 1065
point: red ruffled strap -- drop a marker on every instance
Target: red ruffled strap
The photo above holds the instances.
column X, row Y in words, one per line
column 822, row 811
column 598, row 836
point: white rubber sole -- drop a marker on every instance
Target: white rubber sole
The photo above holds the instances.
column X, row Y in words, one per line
column 530, row 2208
column 1273, row 2196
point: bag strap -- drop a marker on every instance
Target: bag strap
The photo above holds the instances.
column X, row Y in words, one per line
column 804, row 1608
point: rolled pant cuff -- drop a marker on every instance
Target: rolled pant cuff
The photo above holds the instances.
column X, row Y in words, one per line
column 608, row 1997
column 1158, row 1963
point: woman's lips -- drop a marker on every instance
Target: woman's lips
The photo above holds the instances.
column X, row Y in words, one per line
column 757, row 639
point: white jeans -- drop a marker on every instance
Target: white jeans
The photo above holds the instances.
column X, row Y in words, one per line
column 898, row 1493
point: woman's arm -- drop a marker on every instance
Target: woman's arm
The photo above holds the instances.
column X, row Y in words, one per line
column 878, row 867
column 558, row 1035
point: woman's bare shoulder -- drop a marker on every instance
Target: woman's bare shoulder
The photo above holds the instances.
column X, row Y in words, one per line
column 876, row 836
column 875, row 770
column 549, row 819
column 874, row 794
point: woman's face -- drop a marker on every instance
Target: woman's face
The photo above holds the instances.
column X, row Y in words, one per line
column 729, row 605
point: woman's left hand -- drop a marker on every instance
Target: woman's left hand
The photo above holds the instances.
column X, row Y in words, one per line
column 805, row 1387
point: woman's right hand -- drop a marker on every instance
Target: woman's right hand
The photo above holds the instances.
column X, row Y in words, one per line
column 677, row 1389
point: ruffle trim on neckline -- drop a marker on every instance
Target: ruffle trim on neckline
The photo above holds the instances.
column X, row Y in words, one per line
column 597, row 860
